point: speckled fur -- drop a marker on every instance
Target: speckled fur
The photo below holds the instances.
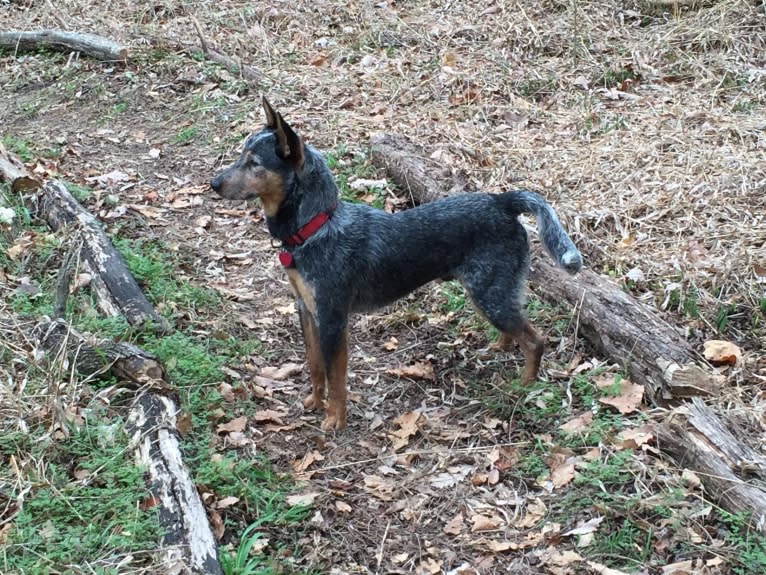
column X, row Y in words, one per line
column 364, row 258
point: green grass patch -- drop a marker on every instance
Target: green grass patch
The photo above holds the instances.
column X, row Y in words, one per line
column 187, row 135
column 79, row 193
column 19, row 146
column 83, row 507
column 347, row 166
column 750, row 545
column 157, row 274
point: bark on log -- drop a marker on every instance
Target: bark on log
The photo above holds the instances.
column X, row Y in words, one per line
column 624, row 330
column 633, row 335
column 95, row 46
column 188, row 544
column 116, row 291
column 733, row 474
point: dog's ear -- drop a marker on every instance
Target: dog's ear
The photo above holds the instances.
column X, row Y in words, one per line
column 271, row 115
column 289, row 144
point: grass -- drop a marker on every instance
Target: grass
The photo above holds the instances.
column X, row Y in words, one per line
column 348, row 166
column 83, row 493
column 84, row 506
column 749, row 544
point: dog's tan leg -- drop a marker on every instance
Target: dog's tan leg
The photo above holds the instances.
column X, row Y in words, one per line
column 503, row 344
column 315, row 399
column 335, row 417
column 532, row 345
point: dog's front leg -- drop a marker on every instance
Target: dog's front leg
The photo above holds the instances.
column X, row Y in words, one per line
column 317, row 371
column 333, row 341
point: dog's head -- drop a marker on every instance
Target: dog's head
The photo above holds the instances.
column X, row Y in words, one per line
column 269, row 161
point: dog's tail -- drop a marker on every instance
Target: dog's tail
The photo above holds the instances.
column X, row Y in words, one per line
column 555, row 240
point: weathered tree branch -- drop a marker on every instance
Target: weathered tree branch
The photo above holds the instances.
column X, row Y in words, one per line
column 90, row 44
column 116, row 291
column 188, row 544
column 732, row 472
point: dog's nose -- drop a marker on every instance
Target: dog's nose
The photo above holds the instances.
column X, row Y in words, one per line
column 215, row 183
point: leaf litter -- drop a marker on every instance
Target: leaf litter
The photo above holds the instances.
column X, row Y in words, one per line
column 700, row 169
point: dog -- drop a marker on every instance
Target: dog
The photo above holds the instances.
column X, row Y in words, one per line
column 343, row 257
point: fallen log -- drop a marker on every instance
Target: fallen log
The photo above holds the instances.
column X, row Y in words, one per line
column 623, row 329
column 116, row 291
column 633, row 335
column 188, row 544
column 90, row 44
column 732, row 472
column 113, row 286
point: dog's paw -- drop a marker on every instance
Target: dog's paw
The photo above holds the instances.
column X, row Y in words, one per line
column 333, row 422
column 312, row 402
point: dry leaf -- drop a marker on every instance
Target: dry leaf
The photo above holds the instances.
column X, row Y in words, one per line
column 453, row 476
column 419, row 370
column 282, row 372
column 628, row 397
column 719, row 352
column 342, row 507
column 589, row 526
column 227, row 392
column 455, row 525
column 636, row 437
column 227, row 502
column 288, row 309
column 534, row 513
column 563, row 558
column 307, row 460
column 304, row 499
column 562, row 474
column 429, row 565
column 484, row 523
column 237, row 424
column 269, row 416
column 183, row 423
column 501, row 546
column 216, row 523
column 408, row 426
column 392, row 344
column 318, row 60
column 579, row 423
column 604, row 570
column 690, row 478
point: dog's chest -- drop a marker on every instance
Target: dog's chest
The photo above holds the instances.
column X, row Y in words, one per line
column 302, row 289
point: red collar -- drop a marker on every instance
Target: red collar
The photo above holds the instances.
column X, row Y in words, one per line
column 310, row 228
column 303, row 234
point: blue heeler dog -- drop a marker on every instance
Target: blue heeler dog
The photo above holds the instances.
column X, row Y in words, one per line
column 342, row 257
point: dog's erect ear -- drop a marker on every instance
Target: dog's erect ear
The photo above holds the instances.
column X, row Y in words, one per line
column 271, row 115
column 289, row 144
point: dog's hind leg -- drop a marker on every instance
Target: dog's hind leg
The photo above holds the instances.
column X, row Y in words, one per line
column 317, row 371
column 531, row 344
column 502, row 307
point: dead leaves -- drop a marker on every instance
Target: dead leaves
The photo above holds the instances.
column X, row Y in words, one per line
column 722, row 353
column 409, row 424
column 419, row 370
column 624, row 395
